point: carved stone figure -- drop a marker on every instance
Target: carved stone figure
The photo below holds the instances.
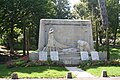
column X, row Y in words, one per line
column 83, row 46
column 53, row 44
column 70, row 50
column 50, row 38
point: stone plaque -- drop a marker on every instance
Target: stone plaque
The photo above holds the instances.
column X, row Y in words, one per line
column 43, row 56
column 84, row 55
column 54, row 55
column 94, row 55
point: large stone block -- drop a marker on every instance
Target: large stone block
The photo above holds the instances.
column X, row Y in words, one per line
column 84, row 55
column 34, row 56
column 43, row 56
column 54, row 56
column 66, row 33
column 102, row 55
column 94, row 55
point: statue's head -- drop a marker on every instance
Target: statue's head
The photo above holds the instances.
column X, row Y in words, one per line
column 51, row 30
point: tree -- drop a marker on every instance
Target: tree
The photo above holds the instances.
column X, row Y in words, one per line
column 113, row 15
column 81, row 10
column 22, row 15
column 62, row 8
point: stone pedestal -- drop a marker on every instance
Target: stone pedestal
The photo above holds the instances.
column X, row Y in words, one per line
column 70, row 58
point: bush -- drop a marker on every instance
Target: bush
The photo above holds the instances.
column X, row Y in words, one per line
column 24, row 62
column 18, row 62
column 86, row 64
column 4, row 58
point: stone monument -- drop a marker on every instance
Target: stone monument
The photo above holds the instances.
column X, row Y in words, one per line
column 64, row 34
column 68, row 41
column 65, row 39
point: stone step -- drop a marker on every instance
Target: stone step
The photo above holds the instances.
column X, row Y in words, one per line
column 75, row 58
column 69, row 55
column 70, row 61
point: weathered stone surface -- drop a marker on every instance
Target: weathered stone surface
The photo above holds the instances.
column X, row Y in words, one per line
column 70, row 58
column 43, row 56
column 66, row 33
column 83, row 45
column 102, row 55
column 54, row 56
column 14, row 75
column 84, row 55
column 34, row 56
column 94, row 55
column 63, row 35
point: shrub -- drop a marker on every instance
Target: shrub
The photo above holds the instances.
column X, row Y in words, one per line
column 86, row 64
column 18, row 62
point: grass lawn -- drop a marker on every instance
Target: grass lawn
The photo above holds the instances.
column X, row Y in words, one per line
column 33, row 72
column 115, row 53
column 111, row 70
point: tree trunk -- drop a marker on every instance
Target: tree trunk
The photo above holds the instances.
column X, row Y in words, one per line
column 24, row 41
column 27, row 41
column 100, row 36
column 11, row 40
column 107, row 44
column 96, row 32
column 114, row 39
column 115, row 32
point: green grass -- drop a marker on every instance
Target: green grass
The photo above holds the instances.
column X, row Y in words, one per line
column 111, row 70
column 115, row 53
column 33, row 72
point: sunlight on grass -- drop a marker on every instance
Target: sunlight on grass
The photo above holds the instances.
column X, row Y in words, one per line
column 34, row 72
column 111, row 70
column 114, row 53
column 45, row 74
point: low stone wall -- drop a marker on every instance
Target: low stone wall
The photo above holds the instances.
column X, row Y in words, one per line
column 34, row 56
column 102, row 55
column 70, row 58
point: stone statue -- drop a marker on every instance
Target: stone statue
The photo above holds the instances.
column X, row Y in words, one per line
column 83, row 45
column 50, row 38
column 72, row 50
column 53, row 44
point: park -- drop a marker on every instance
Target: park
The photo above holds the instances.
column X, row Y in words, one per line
column 60, row 39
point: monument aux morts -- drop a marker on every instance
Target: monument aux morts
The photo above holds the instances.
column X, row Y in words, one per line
column 68, row 41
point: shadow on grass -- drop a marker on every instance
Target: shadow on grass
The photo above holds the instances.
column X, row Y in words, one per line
column 5, row 72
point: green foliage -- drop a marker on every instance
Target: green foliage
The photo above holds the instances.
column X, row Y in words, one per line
column 16, row 63
column 62, row 8
column 24, row 62
column 19, row 14
column 81, row 10
column 87, row 64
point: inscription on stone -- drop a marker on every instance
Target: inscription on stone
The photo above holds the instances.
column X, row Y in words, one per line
column 43, row 56
column 94, row 55
column 54, row 55
column 84, row 55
